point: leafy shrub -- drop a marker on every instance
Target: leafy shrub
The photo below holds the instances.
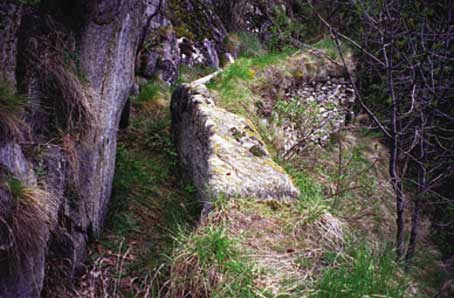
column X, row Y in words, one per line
column 307, row 117
column 285, row 31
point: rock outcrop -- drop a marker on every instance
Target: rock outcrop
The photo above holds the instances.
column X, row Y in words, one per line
column 75, row 63
column 66, row 164
column 10, row 19
column 222, row 152
column 185, row 32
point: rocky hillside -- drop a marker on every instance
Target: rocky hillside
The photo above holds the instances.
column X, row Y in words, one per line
column 165, row 148
column 74, row 66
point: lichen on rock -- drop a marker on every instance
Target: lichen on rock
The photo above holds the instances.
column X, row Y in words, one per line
column 221, row 152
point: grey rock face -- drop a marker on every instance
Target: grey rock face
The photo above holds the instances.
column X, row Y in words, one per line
column 107, row 56
column 212, row 54
column 80, row 176
column 223, row 152
column 10, row 19
column 19, row 283
column 11, row 158
column 105, row 36
column 16, row 277
column 159, row 53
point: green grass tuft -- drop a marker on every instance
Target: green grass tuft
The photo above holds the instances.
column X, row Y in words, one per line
column 208, row 263
column 16, row 188
column 329, row 46
column 362, row 273
column 9, row 101
column 234, row 84
column 12, row 127
column 148, row 92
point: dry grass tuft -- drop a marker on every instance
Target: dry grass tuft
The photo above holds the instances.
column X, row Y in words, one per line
column 31, row 211
column 69, row 146
column 70, row 97
column 353, row 172
column 284, row 243
column 107, row 275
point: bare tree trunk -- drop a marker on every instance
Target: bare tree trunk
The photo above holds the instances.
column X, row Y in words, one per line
column 421, row 190
column 396, row 180
column 414, row 228
column 340, row 172
column 397, row 186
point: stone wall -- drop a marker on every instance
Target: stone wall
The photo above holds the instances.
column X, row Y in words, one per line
column 222, row 152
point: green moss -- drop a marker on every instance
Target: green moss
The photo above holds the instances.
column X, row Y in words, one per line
column 191, row 23
column 183, row 31
column 257, row 151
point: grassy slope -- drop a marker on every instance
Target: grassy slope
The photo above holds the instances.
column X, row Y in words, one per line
column 336, row 240
column 333, row 242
